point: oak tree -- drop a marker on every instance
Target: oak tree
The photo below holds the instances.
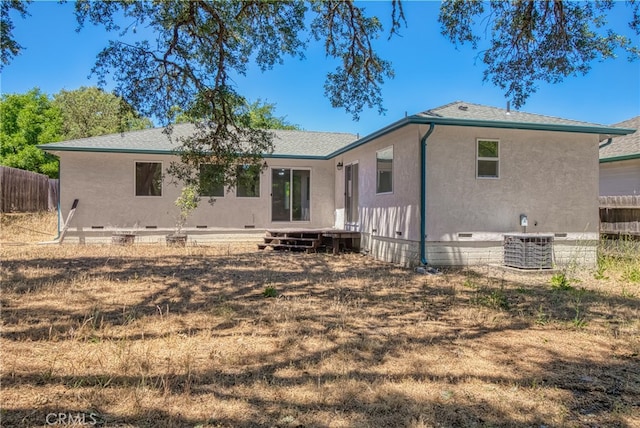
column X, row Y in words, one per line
column 534, row 41
column 200, row 45
column 197, row 47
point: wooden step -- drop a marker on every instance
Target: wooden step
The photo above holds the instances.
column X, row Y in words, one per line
column 287, row 239
column 293, row 234
column 271, row 239
column 294, row 244
column 287, row 247
column 311, row 239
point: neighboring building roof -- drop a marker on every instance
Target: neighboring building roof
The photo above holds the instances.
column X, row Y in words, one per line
column 287, row 143
column 624, row 147
column 461, row 113
column 326, row 145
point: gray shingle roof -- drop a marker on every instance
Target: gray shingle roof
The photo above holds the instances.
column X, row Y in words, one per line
column 308, row 144
column 626, row 145
column 464, row 110
column 286, row 143
column 462, row 113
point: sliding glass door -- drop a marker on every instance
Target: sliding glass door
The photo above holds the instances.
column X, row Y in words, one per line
column 290, row 194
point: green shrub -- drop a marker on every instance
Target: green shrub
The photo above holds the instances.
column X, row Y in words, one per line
column 270, row 291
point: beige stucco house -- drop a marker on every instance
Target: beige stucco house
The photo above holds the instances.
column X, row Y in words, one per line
column 444, row 187
column 620, row 162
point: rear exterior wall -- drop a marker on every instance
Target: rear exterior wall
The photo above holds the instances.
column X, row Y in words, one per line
column 389, row 221
column 551, row 177
column 104, row 183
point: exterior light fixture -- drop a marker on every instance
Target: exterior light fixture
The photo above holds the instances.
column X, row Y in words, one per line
column 339, row 166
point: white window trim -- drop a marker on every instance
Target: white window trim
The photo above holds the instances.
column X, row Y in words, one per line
column 478, row 158
column 135, row 163
column 392, row 170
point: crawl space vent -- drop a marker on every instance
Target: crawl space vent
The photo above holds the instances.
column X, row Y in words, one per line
column 528, row 251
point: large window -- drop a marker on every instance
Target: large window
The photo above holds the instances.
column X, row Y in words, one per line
column 211, row 180
column 148, row 178
column 384, row 170
column 290, row 194
column 248, row 181
column 488, row 159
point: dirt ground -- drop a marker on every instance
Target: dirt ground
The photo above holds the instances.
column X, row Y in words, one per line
column 228, row 336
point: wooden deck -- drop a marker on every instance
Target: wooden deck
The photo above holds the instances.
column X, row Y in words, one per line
column 311, row 240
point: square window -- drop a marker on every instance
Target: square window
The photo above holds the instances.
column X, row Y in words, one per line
column 148, row 178
column 488, row 159
column 248, row 177
column 384, row 170
column 211, row 180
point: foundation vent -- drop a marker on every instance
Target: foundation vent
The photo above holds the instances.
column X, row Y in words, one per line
column 528, row 251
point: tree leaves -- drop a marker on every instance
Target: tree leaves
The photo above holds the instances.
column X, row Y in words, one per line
column 25, row 121
column 9, row 47
column 88, row 112
column 536, row 41
column 31, row 119
column 191, row 51
column 348, row 35
column 200, row 45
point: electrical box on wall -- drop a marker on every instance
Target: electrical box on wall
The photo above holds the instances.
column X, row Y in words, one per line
column 524, row 222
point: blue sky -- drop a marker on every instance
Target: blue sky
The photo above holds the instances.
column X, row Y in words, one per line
column 429, row 72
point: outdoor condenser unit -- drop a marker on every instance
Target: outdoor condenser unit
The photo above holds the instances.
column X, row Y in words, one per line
column 528, row 251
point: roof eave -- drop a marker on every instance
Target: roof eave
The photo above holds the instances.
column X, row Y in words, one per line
column 620, row 158
column 302, row 157
column 387, row 129
column 584, row 129
column 104, row 150
column 53, row 150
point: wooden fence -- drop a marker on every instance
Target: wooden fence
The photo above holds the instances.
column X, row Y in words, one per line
column 620, row 215
column 25, row 191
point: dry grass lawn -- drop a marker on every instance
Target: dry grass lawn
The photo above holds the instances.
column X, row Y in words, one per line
column 227, row 336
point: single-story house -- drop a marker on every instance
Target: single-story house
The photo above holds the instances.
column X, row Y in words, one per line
column 449, row 186
column 620, row 162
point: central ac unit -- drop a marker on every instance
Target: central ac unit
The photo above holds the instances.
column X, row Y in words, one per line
column 528, row 251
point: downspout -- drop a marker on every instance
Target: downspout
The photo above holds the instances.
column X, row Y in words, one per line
column 423, row 194
column 59, row 213
column 603, row 145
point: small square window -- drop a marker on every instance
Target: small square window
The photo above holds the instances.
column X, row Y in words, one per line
column 488, row 159
column 148, row 178
column 211, row 180
column 248, row 177
column 384, row 170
